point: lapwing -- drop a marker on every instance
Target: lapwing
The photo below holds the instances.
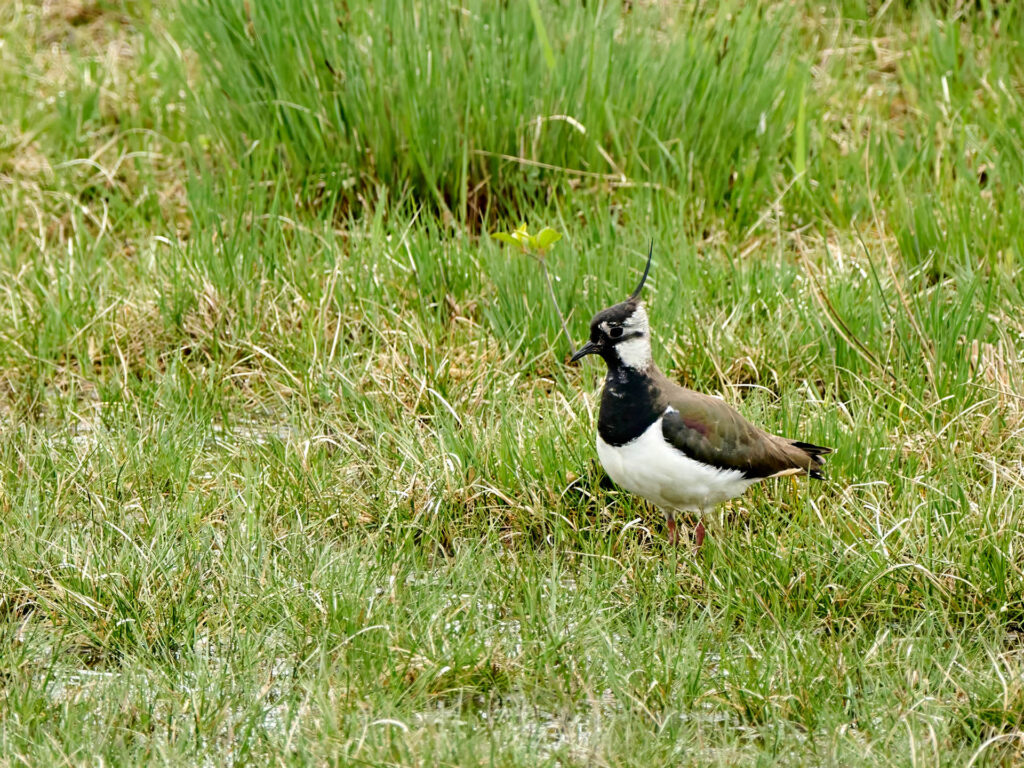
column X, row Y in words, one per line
column 681, row 450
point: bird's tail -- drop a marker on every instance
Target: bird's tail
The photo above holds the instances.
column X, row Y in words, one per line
column 814, row 453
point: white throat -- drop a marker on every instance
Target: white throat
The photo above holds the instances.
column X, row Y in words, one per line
column 636, row 352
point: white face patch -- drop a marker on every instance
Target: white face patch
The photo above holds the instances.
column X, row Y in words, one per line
column 638, row 320
column 636, row 352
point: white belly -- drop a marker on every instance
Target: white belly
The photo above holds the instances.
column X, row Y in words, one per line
column 650, row 467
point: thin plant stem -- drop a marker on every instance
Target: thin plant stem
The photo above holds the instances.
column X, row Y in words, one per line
column 554, row 303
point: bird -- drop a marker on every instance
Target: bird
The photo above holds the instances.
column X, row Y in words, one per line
column 684, row 451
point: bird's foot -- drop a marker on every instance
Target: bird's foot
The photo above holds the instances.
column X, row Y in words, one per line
column 698, row 534
column 673, row 531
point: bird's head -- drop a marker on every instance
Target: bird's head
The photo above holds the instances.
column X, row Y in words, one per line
column 621, row 334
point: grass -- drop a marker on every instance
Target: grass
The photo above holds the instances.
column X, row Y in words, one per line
column 292, row 470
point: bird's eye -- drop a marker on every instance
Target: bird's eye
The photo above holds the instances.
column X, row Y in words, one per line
column 615, row 332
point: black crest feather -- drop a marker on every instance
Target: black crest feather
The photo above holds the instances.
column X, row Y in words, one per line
column 636, row 294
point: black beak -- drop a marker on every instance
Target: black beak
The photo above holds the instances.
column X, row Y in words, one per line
column 590, row 348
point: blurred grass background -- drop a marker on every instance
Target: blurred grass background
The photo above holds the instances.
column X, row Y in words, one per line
column 292, row 469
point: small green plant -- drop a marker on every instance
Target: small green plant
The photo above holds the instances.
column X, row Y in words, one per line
column 536, row 247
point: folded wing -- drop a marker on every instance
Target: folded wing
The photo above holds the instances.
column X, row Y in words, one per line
column 712, row 432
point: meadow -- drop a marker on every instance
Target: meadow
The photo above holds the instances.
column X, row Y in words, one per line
column 293, row 470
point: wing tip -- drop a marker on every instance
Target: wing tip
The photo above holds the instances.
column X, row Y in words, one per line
column 810, row 448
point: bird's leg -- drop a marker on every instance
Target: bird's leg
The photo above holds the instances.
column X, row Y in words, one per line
column 699, row 532
column 673, row 531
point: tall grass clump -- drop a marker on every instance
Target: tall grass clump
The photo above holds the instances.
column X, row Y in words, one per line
column 483, row 107
column 923, row 134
